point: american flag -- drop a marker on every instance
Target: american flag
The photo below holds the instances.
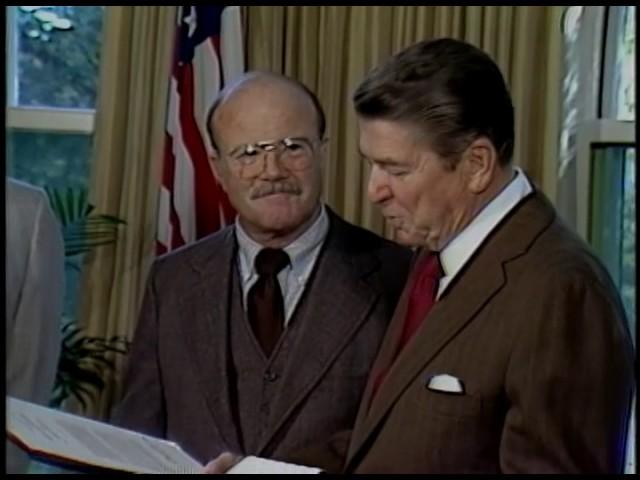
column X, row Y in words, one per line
column 208, row 53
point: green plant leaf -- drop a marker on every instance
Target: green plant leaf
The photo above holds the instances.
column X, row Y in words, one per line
column 85, row 364
column 85, row 361
column 82, row 231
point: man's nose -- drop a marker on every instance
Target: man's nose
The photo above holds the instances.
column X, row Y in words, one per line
column 272, row 166
column 378, row 188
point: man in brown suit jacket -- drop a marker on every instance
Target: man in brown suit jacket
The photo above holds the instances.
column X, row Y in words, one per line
column 203, row 371
column 520, row 360
column 524, row 362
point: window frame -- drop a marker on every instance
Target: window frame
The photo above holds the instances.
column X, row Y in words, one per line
column 602, row 26
column 589, row 135
column 44, row 119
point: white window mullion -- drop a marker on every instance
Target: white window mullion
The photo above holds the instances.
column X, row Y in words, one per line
column 50, row 119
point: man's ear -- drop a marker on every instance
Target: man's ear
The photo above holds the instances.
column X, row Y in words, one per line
column 324, row 147
column 215, row 163
column 480, row 164
column 323, row 152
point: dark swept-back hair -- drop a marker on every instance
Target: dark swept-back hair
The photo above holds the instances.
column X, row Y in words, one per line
column 249, row 76
column 451, row 91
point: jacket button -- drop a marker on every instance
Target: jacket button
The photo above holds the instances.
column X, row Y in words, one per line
column 270, row 376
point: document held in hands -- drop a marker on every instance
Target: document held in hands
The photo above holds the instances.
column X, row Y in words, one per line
column 61, row 438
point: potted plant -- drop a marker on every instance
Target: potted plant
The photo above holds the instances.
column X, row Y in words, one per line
column 85, row 361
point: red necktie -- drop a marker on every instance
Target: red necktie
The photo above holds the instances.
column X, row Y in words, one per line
column 422, row 296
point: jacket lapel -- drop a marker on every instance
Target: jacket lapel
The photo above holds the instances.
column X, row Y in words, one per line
column 341, row 300
column 206, row 331
column 473, row 288
column 386, row 353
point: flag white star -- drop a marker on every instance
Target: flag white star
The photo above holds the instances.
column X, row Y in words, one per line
column 191, row 20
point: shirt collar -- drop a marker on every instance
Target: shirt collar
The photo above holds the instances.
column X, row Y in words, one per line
column 299, row 250
column 456, row 254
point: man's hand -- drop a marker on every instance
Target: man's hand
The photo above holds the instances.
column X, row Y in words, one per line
column 222, row 463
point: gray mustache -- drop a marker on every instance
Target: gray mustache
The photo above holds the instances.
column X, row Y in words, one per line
column 272, row 188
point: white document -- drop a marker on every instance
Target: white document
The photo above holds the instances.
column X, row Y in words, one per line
column 71, row 439
column 60, row 437
column 265, row 466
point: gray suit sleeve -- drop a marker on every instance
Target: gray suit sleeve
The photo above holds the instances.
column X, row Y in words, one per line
column 35, row 335
column 38, row 314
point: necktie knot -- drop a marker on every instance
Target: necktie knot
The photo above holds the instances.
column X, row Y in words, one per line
column 270, row 261
column 430, row 267
column 425, row 283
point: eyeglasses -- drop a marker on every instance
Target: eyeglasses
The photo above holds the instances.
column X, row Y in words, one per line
column 293, row 153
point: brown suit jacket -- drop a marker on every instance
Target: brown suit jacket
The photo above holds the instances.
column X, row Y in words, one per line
column 535, row 330
column 177, row 384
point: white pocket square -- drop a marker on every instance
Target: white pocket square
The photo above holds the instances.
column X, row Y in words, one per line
column 445, row 383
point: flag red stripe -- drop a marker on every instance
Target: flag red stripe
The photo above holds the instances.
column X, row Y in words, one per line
column 206, row 189
column 210, row 204
column 168, row 181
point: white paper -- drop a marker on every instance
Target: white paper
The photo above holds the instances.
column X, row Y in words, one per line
column 264, row 466
column 49, row 432
column 55, row 433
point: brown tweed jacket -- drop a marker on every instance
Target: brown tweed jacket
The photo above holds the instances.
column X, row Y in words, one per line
column 177, row 386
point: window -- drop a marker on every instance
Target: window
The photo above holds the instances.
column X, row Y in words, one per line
column 618, row 94
column 53, row 57
column 59, row 44
column 599, row 133
column 52, row 66
column 608, row 153
column 612, row 226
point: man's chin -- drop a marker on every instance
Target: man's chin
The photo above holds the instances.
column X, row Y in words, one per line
column 408, row 239
column 281, row 220
column 281, row 225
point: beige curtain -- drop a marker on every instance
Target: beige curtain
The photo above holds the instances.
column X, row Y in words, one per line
column 125, row 179
column 330, row 48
